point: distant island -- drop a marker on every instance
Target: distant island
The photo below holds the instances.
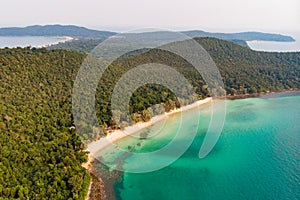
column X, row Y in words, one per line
column 82, row 32
column 55, row 30
column 246, row 36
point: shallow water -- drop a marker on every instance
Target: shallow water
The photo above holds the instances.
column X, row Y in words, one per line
column 256, row 157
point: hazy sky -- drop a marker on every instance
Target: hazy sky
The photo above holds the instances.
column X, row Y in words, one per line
column 213, row 15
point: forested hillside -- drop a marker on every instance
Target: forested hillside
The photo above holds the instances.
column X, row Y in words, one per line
column 247, row 71
column 81, row 45
column 41, row 153
column 244, row 72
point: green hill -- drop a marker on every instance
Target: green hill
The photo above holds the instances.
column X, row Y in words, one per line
column 244, row 71
column 81, row 45
column 248, row 71
column 86, row 45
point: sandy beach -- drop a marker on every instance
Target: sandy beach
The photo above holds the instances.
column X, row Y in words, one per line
column 116, row 135
column 65, row 38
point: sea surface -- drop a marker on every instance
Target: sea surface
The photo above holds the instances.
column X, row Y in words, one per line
column 256, row 157
column 33, row 41
column 277, row 46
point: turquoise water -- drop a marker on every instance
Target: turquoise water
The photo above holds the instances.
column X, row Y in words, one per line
column 256, row 157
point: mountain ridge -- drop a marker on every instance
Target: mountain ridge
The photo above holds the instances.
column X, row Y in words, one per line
column 246, row 36
column 79, row 31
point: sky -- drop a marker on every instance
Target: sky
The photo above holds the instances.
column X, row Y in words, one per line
column 124, row 15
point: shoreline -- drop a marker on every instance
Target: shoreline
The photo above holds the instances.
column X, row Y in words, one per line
column 260, row 94
column 24, row 45
column 130, row 130
column 65, row 38
column 117, row 135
